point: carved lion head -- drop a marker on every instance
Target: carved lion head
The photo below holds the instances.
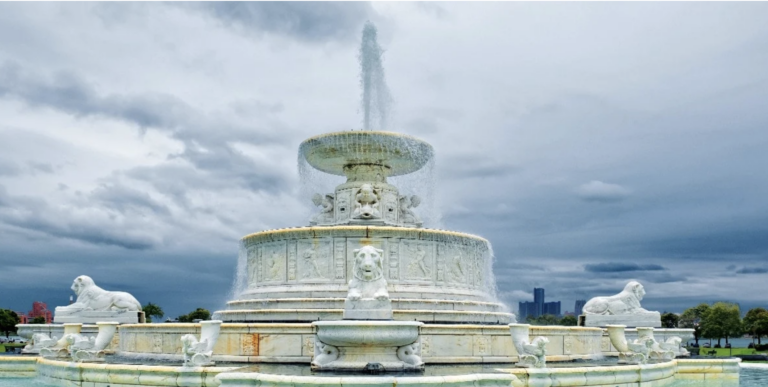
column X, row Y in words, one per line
column 81, row 283
column 635, row 288
column 368, row 265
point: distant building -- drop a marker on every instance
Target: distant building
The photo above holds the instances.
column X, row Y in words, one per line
column 22, row 317
column 537, row 307
column 579, row 307
column 39, row 309
column 552, row 308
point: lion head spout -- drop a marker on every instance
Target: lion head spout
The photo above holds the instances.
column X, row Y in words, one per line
column 368, row 266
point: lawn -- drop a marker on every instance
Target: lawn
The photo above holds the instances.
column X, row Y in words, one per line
column 11, row 345
column 730, row 351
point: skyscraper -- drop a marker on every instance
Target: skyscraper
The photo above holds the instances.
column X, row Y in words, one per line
column 538, row 307
column 578, row 308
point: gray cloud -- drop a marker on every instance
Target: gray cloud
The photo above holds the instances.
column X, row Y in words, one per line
column 752, row 270
column 9, row 168
column 306, row 21
column 597, row 191
column 620, row 267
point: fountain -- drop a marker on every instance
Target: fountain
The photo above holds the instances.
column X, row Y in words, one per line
column 364, row 295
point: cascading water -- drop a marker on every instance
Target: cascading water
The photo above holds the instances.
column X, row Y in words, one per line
column 375, row 98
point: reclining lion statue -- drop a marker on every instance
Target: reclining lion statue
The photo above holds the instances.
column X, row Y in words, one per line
column 90, row 297
column 626, row 302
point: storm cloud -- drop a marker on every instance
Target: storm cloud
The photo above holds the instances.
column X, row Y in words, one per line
column 591, row 147
column 612, row 267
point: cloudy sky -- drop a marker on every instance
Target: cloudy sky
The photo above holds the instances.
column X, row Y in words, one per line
column 590, row 143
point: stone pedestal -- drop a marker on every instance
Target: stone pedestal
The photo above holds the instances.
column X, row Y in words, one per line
column 650, row 319
column 367, row 309
column 92, row 317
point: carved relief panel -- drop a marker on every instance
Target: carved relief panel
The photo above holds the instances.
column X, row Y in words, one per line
column 252, row 265
column 418, row 260
column 457, row 265
column 477, row 263
column 292, row 261
column 393, row 259
column 339, row 258
column 442, row 252
column 315, row 260
column 343, row 208
column 273, row 262
column 389, row 205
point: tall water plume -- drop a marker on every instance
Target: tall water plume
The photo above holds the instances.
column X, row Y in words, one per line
column 376, row 100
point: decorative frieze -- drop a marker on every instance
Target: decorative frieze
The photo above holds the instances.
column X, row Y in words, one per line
column 291, row 261
column 339, row 258
column 394, row 260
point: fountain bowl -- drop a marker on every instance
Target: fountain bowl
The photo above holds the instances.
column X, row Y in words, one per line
column 360, row 333
column 395, row 153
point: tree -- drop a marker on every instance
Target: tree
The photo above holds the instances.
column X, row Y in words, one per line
column 669, row 320
column 8, row 321
column 197, row 314
column 569, row 321
column 544, row 319
column 38, row 320
column 756, row 323
column 723, row 319
column 692, row 318
column 152, row 310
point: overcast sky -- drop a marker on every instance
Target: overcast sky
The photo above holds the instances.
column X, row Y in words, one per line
column 591, row 143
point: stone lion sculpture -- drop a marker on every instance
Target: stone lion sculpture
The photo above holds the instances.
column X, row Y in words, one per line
column 92, row 297
column 626, row 302
column 368, row 271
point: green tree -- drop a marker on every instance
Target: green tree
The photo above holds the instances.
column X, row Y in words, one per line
column 569, row 321
column 152, row 310
column 756, row 323
column 669, row 320
column 8, row 321
column 692, row 318
column 544, row 319
column 38, row 320
column 723, row 319
column 197, row 314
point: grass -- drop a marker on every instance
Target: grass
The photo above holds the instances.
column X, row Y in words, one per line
column 730, row 351
column 10, row 345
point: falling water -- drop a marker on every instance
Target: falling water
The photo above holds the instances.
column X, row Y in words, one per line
column 241, row 280
column 376, row 99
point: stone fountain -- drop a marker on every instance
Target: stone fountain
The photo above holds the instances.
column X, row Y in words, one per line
column 363, row 288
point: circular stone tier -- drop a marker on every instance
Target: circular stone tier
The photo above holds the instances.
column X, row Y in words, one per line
column 301, row 274
column 391, row 154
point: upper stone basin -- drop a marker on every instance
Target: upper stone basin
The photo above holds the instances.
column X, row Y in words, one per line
column 395, row 153
column 357, row 333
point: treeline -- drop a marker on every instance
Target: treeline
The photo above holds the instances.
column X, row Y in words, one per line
column 722, row 320
column 549, row 319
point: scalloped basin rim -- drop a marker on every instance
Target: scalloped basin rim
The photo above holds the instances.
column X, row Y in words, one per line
column 367, row 229
column 332, row 152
